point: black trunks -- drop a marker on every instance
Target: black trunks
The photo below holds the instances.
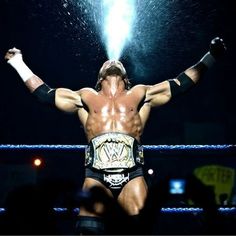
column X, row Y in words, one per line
column 114, row 181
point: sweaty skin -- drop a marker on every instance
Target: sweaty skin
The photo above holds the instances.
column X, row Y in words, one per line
column 113, row 109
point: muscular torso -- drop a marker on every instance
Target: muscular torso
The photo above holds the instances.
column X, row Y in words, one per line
column 115, row 110
column 123, row 113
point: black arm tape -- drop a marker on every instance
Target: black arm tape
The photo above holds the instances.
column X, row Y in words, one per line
column 185, row 84
column 45, row 94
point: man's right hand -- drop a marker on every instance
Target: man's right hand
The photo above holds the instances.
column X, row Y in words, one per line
column 14, row 58
column 11, row 53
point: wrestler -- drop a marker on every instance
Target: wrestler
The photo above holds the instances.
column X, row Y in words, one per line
column 114, row 115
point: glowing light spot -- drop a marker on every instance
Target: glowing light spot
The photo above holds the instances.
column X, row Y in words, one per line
column 37, row 162
column 177, row 186
column 150, row 171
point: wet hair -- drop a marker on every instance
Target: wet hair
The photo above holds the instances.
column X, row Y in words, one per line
column 98, row 85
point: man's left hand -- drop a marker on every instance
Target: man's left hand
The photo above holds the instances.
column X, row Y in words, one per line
column 217, row 47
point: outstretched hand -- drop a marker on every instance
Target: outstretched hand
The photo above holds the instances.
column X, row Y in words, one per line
column 11, row 53
column 217, row 47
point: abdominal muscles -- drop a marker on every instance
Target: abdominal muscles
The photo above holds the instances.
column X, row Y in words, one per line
column 127, row 122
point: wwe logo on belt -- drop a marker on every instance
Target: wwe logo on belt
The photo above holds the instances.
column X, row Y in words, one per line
column 114, row 151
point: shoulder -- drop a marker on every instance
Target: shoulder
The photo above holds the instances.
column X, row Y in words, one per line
column 68, row 93
column 86, row 90
column 138, row 91
column 139, row 88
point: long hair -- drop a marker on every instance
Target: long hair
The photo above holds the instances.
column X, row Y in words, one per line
column 98, row 85
column 124, row 76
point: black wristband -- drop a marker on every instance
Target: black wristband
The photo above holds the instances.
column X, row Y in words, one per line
column 185, row 84
column 45, row 94
column 208, row 60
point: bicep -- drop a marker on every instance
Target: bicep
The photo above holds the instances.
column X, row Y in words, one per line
column 67, row 100
column 158, row 94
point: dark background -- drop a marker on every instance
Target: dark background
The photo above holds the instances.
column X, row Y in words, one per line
column 66, row 53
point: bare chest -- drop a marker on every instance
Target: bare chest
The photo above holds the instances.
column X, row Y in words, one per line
column 112, row 105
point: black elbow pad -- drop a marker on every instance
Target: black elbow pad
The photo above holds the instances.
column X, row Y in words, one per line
column 185, row 84
column 45, row 94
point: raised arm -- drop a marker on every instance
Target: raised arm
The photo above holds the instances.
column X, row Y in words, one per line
column 64, row 99
column 161, row 93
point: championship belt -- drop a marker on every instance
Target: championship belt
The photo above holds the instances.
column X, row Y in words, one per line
column 113, row 152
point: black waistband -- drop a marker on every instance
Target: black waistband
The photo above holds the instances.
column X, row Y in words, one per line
column 118, row 181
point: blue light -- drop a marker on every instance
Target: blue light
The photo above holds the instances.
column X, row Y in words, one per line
column 177, row 186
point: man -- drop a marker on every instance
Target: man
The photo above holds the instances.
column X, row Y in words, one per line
column 114, row 116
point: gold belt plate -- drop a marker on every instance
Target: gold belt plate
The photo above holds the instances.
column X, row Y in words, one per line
column 113, row 151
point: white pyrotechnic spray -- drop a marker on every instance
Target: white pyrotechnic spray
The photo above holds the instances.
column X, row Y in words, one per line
column 118, row 20
column 137, row 30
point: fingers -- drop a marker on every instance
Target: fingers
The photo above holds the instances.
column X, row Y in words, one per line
column 11, row 53
column 14, row 50
column 217, row 47
column 218, row 40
